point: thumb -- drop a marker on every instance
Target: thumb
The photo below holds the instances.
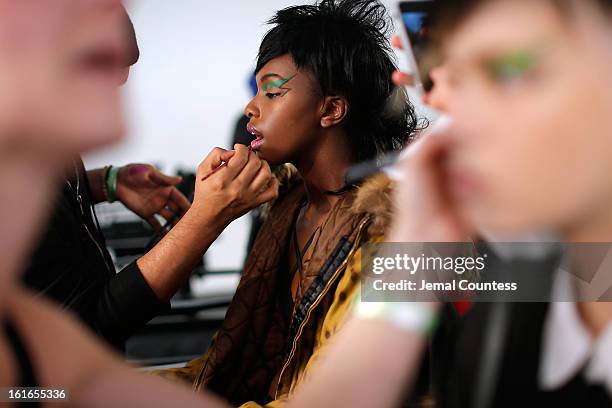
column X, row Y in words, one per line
column 227, row 155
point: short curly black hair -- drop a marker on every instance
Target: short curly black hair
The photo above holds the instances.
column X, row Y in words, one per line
column 344, row 44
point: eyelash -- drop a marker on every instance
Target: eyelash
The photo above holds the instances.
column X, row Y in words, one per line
column 272, row 95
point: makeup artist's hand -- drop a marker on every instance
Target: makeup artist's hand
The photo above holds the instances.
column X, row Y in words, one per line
column 424, row 211
column 230, row 183
column 146, row 191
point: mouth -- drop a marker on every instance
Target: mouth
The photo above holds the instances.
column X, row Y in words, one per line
column 259, row 139
column 103, row 61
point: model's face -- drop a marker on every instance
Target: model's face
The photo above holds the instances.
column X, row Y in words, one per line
column 60, row 64
column 286, row 112
column 530, row 94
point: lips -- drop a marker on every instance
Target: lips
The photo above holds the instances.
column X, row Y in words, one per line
column 259, row 139
column 102, row 58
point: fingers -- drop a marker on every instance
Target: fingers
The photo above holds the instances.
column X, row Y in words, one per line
column 240, row 185
column 154, row 223
column 421, row 164
column 250, row 170
column 169, row 215
column 178, row 202
column 400, row 78
column 161, row 179
column 238, row 162
column 215, row 158
column 271, row 193
column 396, row 42
column 262, row 179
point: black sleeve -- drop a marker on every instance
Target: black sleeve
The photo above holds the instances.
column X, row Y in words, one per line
column 72, row 267
column 125, row 304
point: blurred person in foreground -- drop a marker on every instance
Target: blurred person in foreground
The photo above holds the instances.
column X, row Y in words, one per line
column 527, row 86
column 58, row 99
column 72, row 265
column 325, row 101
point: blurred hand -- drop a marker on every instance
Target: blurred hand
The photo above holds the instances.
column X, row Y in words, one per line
column 424, row 211
column 231, row 183
column 400, row 78
column 146, row 191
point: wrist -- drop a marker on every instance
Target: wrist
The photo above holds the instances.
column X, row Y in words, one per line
column 204, row 219
column 95, row 179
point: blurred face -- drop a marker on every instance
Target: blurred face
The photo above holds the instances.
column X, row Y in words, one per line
column 529, row 90
column 286, row 112
column 60, row 64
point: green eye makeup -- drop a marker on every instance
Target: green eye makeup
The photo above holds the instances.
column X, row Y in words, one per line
column 276, row 84
column 511, row 65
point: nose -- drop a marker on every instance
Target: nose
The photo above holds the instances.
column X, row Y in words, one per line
column 437, row 97
column 251, row 109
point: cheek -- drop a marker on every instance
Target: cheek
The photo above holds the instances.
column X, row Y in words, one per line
column 95, row 125
column 34, row 38
column 292, row 123
column 544, row 158
column 69, row 117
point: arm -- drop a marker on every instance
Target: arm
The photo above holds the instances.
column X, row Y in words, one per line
column 353, row 367
column 144, row 288
column 358, row 370
column 244, row 183
column 66, row 356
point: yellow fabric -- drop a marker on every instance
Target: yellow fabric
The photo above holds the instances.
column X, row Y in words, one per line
column 186, row 374
column 348, row 287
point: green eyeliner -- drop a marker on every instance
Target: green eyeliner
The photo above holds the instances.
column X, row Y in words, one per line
column 276, row 84
column 512, row 65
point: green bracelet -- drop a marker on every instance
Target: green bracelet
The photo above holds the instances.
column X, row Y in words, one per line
column 104, row 177
column 111, row 184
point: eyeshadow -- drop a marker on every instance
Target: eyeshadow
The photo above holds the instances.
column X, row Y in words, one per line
column 512, row 64
column 276, row 84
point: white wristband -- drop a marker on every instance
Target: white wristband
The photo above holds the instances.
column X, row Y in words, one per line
column 407, row 316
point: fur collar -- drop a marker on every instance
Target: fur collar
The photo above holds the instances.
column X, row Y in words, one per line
column 374, row 197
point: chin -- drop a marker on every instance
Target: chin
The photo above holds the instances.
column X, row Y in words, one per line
column 271, row 158
column 91, row 137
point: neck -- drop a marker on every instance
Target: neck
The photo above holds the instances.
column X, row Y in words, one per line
column 26, row 187
column 324, row 167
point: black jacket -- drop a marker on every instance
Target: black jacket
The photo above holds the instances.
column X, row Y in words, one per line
column 72, row 266
column 493, row 358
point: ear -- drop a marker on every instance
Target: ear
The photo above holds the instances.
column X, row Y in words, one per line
column 333, row 111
